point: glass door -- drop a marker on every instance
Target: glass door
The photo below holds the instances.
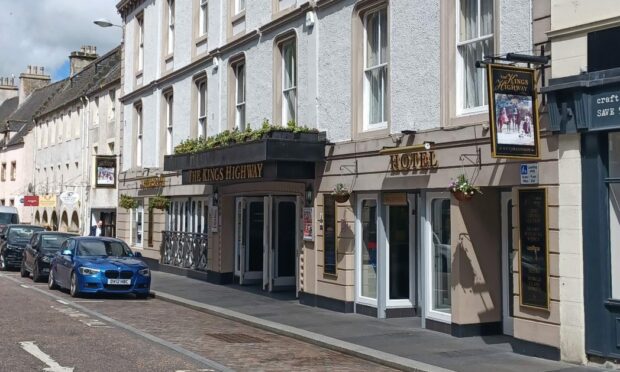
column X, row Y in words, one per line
column 401, row 254
column 284, row 240
column 366, row 249
column 438, row 257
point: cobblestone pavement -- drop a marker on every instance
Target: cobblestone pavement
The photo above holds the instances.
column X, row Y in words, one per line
column 232, row 344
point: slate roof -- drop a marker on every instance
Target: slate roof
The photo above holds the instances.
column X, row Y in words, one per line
column 113, row 76
column 7, row 108
column 81, row 83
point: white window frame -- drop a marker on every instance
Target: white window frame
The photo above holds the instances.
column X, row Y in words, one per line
column 140, row 22
column 411, row 301
column 112, row 103
column 139, row 133
column 359, row 298
column 291, row 43
column 169, row 99
column 240, row 105
column 460, row 96
column 428, row 260
column 367, row 126
column 201, row 90
column 171, row 20
column 239, row 6
column 203, row 18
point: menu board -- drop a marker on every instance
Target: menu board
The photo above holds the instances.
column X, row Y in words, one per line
column 533, row 248
column 329, row 234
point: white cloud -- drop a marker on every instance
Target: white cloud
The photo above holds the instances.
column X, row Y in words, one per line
column 45, row 32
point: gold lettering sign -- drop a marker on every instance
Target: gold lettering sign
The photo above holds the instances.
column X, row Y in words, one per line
column 226, row 173
column 413, row 161
column 153, row 183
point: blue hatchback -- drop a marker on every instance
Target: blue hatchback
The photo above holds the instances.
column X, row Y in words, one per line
column 99, row 265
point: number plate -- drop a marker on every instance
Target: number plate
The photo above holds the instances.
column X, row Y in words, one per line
column 119, row 281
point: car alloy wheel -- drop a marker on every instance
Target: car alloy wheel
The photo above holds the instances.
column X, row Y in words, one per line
column 23, row 272
column 51, row 284
column 73, row 290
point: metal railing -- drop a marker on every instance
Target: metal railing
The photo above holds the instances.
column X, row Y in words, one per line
column 186, row 250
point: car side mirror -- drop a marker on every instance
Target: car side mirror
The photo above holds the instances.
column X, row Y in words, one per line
column 138, row 254
column 67, row 252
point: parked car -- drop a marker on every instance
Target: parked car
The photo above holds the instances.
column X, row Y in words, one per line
column 8, row 215
column 99, row 265
column 13, row 241
column 40, row 251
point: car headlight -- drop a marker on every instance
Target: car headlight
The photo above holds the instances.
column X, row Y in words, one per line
column 145, row 272
column 88, row 271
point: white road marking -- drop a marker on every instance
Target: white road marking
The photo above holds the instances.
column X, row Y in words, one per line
column 63, row 302
column 52, row 365
column 24, row 286
column 87, row 301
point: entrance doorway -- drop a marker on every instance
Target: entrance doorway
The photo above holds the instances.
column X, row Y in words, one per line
column 507, row 269
column 266, row 241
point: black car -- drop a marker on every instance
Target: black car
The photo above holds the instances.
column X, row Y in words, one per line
column 14, row 239
column 38, row 254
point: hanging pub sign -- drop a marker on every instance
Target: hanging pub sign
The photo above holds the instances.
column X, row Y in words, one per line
column 105, row 171
column 513, row 114
column 533, row 248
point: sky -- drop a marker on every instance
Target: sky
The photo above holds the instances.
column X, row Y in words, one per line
column 45, row 32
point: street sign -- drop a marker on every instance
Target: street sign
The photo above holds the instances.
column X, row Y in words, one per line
column 529, row 174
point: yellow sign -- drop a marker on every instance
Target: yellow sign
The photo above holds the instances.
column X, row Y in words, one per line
column 413, row 161
column 47, row 201
column 153, row 182
column 226, row 173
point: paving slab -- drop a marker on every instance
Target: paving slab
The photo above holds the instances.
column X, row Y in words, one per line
column 396, row 340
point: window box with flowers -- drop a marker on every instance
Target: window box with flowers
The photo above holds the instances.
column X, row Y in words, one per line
column 463, row 189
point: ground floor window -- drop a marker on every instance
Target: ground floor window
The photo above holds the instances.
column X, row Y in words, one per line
column 138, row 225
column 614, row 211
column 188, row 215
column 368, row 247
column 438, row 256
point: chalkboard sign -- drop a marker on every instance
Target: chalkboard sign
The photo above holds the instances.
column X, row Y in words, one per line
column 533, row 248
column 329, row 234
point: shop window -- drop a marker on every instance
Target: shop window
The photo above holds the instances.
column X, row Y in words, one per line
column 138, row 227
column 614, row 211
column 440, row 255
column 187, row 216
column 368, row 254
column 474, row 41
column 329, row 235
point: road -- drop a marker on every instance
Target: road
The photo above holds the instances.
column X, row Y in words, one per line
column 49, row 330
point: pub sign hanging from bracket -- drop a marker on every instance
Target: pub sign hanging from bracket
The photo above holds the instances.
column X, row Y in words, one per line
column 513, row 112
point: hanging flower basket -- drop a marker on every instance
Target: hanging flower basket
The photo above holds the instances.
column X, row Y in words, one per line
column 159, row 202
column 127, row 202
column 340, row 193
column 462, row 189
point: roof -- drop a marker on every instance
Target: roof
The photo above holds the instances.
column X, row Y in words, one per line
column 81, row 83
column 7, row 107
column 33, row 104
column 113, row 76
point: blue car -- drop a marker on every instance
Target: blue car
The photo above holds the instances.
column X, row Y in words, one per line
column 99, row 265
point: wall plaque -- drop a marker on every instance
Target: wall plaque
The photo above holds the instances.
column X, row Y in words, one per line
column 533, row 248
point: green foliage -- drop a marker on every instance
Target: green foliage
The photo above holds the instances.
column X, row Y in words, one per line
column 127, row 202
column 340, row 189
column 463, row 185
column 230, row 137
column 159, row 202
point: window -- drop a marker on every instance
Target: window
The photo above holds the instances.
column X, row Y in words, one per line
column 368, row 251
column 138, row 224
column 139, row 128
column 474, row 41
column 3, row 173
column 203, row 21
column 39, row 132
column 170, row 40
column 168, row 120
column 77, row 124
column 140, row 41
column 60, row 127
column 52, row 135
column 111, row 105
column 239, row 6
column 12, row 202
column 439, row 257
column 375, row 69
column 13, row 170
column 201, row 87
column 289, row 81
column 240, row 95
column 2, row 202
column 614, row 211
column 329, row 237
column 96, row 112
column 68, row 126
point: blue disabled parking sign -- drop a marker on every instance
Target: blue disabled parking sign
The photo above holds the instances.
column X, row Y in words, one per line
column 523, row 169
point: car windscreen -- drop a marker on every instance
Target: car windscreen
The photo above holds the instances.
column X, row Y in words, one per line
column 103, row 248
column 6, row 218
column 51, row 243
column 19, row 234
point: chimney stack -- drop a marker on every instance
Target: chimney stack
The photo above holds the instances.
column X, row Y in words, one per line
column 33, row 78
column 80, row 59
column 8, row 89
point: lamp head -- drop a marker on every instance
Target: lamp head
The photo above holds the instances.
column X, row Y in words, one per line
column 102, row 22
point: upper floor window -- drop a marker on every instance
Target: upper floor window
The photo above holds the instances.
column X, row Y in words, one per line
column 96, row 112
column 3, row 172
column 168, row 97
column 13, row 170
column 201, row 86
column 170, row 41
column 240, row 95
column 289, row 81
column 203, row 20
column 111, row 105
column 140, row 41
column 375, row 69
column 139, row 128
column 239, row 6
column 474, row 41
